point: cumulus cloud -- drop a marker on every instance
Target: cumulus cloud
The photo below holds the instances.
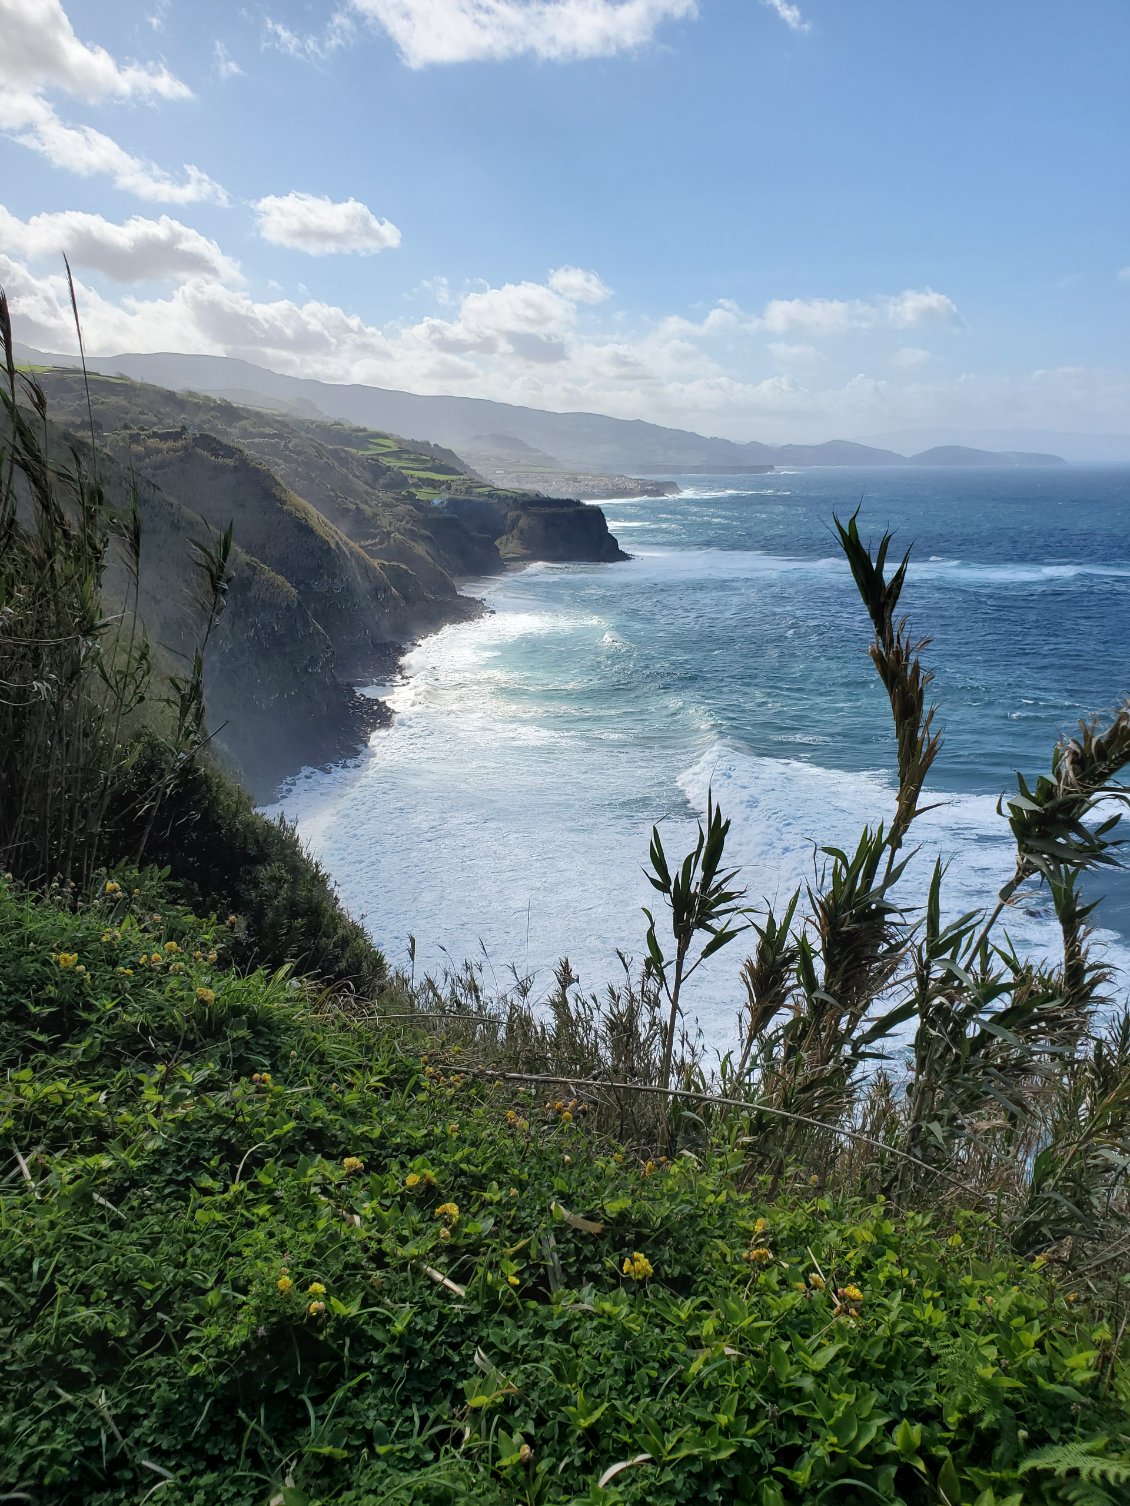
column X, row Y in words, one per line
column 80, row 149
column 789, row 14
column 579, row 286
column 41, row 51
column 463, row 31
column 832, row 316
column 320, row 227
column 138, row 250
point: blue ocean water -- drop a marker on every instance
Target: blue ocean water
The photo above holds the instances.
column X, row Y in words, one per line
column 506, row 813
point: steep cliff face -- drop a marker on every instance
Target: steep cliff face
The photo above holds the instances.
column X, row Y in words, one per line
column 275, row 699
column 559, row 531
column 353, row 597
column 539, row 528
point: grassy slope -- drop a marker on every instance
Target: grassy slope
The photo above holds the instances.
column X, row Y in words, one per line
column 369, row 485
column 172, row 1214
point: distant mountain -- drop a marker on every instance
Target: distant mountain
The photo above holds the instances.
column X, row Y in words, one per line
column 1073, row 447
column 584, row 443
column 960, row 454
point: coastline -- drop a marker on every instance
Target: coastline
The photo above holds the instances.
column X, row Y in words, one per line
column 367, row 712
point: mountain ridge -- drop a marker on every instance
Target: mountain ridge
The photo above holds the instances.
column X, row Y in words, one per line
column 580, row 442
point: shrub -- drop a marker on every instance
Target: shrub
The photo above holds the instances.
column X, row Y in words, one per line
column 226, row 857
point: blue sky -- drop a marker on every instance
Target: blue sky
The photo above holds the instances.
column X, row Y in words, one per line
column 751, row 217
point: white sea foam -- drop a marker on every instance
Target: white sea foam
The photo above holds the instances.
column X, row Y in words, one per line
column 780, row 809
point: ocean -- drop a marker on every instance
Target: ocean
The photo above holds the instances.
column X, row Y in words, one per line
column 505, row 815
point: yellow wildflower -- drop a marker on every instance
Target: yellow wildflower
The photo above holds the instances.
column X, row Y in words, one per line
column 852, row 1293
column 171, row 947
column 316, row 1309
column 124, row 972
column 413, row 1179
column 212, row 956
column 316, row 1289
column 815, row 1279
column 284, row 1284
column 445, row 1233
column 759, row 1255
column 106, row 936
column 206, row 995
column 637, row 1267
column 513, row 1280
column 177, row 967
column 761, row 1225
column 449, row 1211
column 352, row 1164
column 567, row 1117
column 514, row 1192
column 155, row 957
column 110, row 887
column 66, row 960
column 649, row 1167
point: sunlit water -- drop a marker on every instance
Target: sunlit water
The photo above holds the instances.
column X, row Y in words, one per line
column 506, row 814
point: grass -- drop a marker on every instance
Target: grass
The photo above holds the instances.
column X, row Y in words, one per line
column 252, row 1251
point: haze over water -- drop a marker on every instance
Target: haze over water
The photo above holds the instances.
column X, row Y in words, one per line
column 509, row 807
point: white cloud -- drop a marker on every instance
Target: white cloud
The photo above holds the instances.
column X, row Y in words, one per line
column 223, row 64
column 138, row 250
column 83, row 150
column 786, row 354
column 789, row 14
column 579, row 286
column 339, row 30
column 40, row 50
column 319, row 226
column 463, row 31
column 909, row 357
column 831, row 316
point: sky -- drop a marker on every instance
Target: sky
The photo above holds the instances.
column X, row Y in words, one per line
column 754, row 218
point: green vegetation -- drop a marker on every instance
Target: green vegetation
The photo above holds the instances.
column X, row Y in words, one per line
column 255, row 1254
column 279, row 1229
